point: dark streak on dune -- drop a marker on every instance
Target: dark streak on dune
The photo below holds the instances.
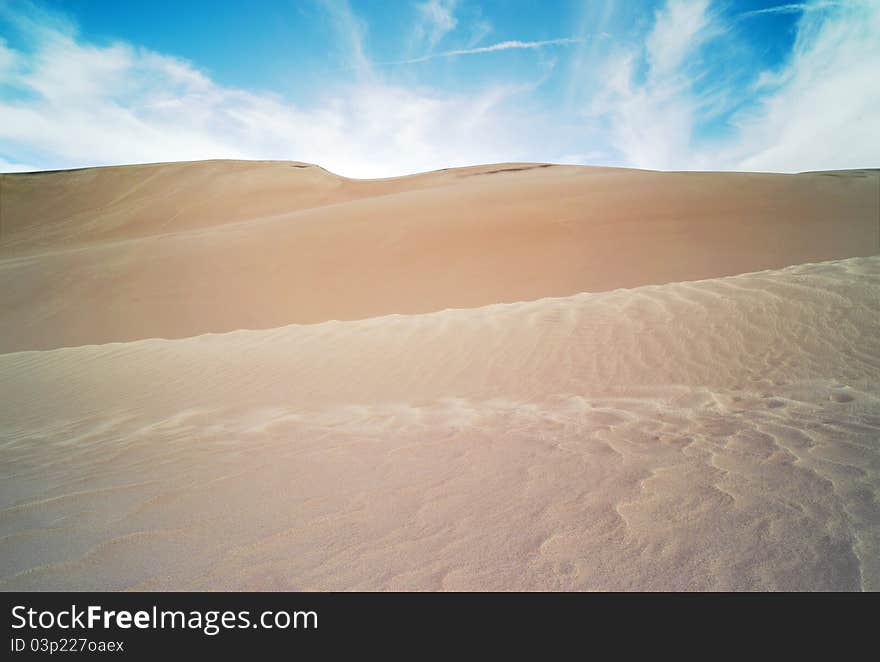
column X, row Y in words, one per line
column 493, row 172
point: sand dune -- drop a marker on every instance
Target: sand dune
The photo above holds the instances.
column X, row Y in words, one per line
column 719, row 434
column 260, row 375
column 176, row 250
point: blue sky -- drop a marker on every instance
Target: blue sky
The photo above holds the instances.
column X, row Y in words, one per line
column 375, row 88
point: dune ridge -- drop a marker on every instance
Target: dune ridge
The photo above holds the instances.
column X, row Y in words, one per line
column 177, row 250
column 711, row 434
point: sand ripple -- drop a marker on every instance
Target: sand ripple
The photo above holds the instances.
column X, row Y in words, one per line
column 719, row 434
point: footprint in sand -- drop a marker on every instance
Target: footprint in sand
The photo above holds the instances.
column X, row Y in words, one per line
column 841, row 397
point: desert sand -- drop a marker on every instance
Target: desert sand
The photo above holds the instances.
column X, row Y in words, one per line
column 176, row 250
column 260, row 375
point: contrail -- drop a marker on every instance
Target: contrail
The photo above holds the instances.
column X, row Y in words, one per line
column 794, row 8
column 501, row 46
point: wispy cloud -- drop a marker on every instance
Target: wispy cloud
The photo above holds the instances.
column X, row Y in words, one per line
column 501, row 46
column 823, row 112
column 13, row 166
column 791, row 8
column 436, row 20
column 350, row 31
column 480, row 28
column 651, row 117
column 78, row 104
column 642, row 98
column 680, row 28
column 819, row 110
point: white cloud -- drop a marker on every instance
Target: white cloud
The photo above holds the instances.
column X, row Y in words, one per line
column 351, row 32
column 501, row 46
column 792, row 8
column 69, row 103
column 680, row 28
column 81, row 104
column 436, row 20
column 651, row 120
column 820, row 110
column 480, row 28
column 824, row 111
column 7, row 57
column 14, row 166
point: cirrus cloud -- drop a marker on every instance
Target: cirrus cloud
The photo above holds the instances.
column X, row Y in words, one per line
column 668, row 92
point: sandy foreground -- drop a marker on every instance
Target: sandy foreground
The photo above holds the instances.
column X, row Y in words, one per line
column 439, row 381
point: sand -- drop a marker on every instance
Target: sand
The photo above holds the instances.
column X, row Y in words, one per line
column 172, row 251
column 496, row 378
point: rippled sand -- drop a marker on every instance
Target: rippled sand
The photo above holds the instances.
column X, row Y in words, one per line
column 715, row 434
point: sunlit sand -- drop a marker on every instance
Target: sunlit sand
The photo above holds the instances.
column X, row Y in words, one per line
column 259, row 375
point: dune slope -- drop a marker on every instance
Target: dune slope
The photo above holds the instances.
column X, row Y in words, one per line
column 720, row 434
column 176, row 250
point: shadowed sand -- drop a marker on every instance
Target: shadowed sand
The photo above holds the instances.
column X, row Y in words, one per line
column 719, row 433
column 175, row 250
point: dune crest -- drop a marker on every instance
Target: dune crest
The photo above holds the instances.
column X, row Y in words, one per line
column 181, row 249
